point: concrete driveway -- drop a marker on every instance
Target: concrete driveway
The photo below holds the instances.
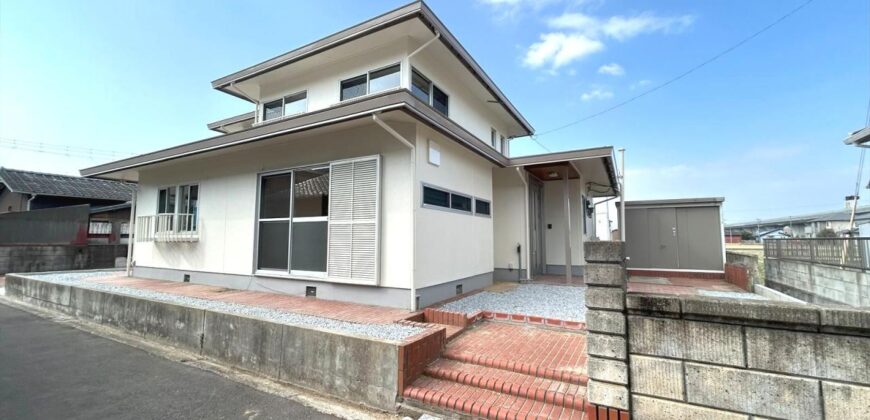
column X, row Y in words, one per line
column 53, row 371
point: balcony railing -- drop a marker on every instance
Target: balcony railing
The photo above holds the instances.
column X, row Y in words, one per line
column 167, row 227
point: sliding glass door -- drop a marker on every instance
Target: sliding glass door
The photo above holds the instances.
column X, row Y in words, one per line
column 293, row 222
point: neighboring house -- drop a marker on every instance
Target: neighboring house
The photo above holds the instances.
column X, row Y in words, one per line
column 375, row 168
column 803, row 226
column 26, row 190
column 109, row 201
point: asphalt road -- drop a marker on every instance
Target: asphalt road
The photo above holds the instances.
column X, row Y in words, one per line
column 53, row 371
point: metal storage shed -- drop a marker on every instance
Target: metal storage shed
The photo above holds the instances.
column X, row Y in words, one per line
column 678, row 234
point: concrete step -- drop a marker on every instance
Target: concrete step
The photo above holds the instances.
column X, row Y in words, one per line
column 484, row 403
column 577, row 377
column 507, row 382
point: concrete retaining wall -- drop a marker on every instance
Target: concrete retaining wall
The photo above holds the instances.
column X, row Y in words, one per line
column 693, row 357
column 818, row 283
column 356, row 369
column 34, row 258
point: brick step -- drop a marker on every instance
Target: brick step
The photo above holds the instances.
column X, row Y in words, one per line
column 507, row 382
column 572, row 377
column 484, row 403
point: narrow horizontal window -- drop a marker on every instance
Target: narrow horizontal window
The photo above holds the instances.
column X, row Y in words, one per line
column 354, row 87
column 420, row 86
column 384, row 79
column 440, row 100
column 436, row 197
column 460, row 202
column 273, row 110
column 296, row 104
column 481, row 207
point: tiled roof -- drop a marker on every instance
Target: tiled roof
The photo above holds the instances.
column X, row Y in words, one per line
column 39, row 183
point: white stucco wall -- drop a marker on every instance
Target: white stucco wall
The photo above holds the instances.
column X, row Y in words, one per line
column 554, row 211
column 451, row 245
column 228, row 189
column 509, row 213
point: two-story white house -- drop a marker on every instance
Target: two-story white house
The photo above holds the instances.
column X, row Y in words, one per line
column 375, row 167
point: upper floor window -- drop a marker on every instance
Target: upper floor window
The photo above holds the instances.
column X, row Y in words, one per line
column 371, row 82
column 496, row 140
column 427, row 92
column 288, row 105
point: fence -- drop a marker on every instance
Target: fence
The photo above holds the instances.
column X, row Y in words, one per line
column 840, row 252
column 167, row 227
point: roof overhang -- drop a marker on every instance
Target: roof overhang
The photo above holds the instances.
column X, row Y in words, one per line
column 416, row 10
column 676, row 202
column 860, row 138
column 232, row 124
column 597, row 166
column 393, row 100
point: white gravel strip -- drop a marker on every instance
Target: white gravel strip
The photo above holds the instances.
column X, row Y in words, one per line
column 732, row 295
column 567, row 303
column 390, row 332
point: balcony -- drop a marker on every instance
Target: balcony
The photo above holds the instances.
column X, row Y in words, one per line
column 167, row 227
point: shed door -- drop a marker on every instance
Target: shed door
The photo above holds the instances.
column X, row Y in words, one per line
column 662, row 225
column 700, row 238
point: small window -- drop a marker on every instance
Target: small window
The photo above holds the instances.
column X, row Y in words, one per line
column 436, row 197
column 440, row 100
column 384, row 79
column 273, row 110
column 460, row 202
column 296, row 104
column 493, row 137
column 420, row 86
column 354, row 87
column 500, row 147
column 99, row 227
column 481, row 207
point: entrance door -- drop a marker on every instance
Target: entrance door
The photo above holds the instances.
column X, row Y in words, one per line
column 536, row 227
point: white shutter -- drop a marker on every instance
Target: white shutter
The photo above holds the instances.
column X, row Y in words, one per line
column 354, row 195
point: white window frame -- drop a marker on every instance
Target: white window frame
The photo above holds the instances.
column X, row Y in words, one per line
column 283, row 99
column 432, row 87
column 476, row 199
column 451, row 193
column 92, row 223
column 177, row 210
column 368, row 76
column 289, row 273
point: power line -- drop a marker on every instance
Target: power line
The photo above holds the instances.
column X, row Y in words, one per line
column 681, row 75
column 62, row 150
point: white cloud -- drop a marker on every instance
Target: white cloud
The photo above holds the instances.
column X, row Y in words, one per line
column 557, row 49
column 507, row 10
column 596, row 94
column 612, row 69
column 576, row 35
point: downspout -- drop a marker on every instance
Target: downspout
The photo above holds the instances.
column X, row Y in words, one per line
column 568, row 234
column 622, row 197
column 131, row 233
column 413, row 189
column 526, row 223
column 32, row 197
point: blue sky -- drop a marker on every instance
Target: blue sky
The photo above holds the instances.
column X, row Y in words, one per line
column 763, row 126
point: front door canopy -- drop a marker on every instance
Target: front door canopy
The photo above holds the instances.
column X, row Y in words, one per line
column 596, row 165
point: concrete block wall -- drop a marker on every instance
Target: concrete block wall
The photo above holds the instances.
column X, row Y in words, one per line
column 607, row 366
column 818, row 283
column 695, row 357
column 356, row 369
column 33, row 258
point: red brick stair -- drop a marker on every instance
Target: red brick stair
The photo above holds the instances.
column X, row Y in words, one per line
column 507, row 371
column 455, row 322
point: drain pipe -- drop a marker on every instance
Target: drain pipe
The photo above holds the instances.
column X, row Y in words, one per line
column 32, row 197
column 622, row 197
column 413, row 189
column 131, row 233
column 526, row 223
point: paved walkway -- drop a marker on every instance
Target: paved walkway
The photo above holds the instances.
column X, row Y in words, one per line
column 50, row 370
column 343, row 311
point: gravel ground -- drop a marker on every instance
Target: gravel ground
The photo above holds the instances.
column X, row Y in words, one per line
column 391, row 332
column 733, row 295
column 567, row 303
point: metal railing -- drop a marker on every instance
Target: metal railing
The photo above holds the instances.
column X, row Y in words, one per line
column 167, row 227
column 840, row 252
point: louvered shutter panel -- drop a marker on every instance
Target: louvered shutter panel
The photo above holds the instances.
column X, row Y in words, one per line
column 353, row 220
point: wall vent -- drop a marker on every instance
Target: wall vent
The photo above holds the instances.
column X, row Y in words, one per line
column 310, row 291
column 187, row 278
